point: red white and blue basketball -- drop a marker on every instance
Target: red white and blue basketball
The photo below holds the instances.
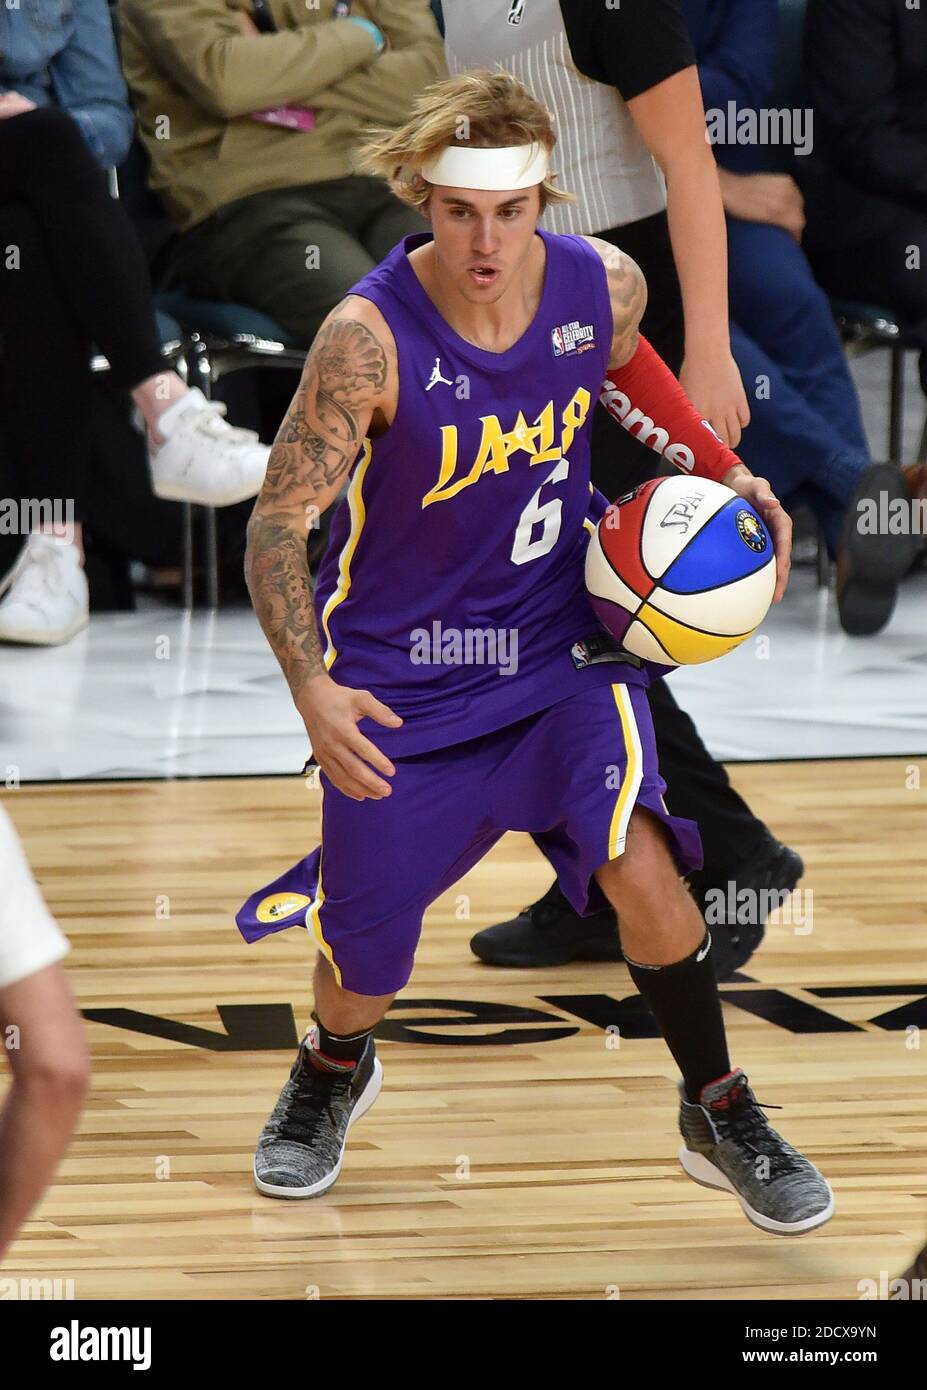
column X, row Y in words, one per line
column 681, row 570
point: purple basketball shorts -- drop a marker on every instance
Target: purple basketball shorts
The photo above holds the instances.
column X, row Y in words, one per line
column 571, row 775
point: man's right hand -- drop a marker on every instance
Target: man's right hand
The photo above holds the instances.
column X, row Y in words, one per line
column 772, row 198
column 331, row 713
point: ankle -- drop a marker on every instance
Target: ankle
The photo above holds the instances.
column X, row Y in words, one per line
column 336, row 1051
column 73, row 536
column 156, row 395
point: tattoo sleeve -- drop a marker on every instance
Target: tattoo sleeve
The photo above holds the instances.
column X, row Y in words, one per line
column 627, row 291
column 319, row 439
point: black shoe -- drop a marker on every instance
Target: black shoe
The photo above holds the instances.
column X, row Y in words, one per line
column 772, row 871
column 872, row 564
column 549, row 932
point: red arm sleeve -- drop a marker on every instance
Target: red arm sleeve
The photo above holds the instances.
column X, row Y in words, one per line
column 648, row 401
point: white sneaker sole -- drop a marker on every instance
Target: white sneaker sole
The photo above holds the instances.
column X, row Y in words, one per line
column 367, row 1097
column 43, row 637
column 701, row 1170
column 177, row 492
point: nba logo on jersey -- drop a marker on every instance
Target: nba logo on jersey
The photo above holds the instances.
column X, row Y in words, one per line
column 516, row 10
column 572, row 337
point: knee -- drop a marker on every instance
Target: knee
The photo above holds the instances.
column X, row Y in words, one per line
column 47, row 133
column 644, row 873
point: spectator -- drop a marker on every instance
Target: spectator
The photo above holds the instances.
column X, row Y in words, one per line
column 865, row 184
column 44, row 1039
column 251, row 134
column 806, row 434
column 72, row 274
column 622, row 84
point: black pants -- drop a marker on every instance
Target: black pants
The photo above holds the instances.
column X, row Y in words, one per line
column 878, row 272
column 72, row 274
column 698, row 787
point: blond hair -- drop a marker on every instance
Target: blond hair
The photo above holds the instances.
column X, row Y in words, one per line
column 482, row 109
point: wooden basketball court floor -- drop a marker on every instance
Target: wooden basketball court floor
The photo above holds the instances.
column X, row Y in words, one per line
column 519, row 1150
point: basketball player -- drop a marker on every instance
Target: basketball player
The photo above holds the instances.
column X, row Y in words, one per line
column 42, row 1037
column 455, row 384
column 623, row 86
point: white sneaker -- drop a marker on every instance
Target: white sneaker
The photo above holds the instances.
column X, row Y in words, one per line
column 205, row 459
column 48, row 601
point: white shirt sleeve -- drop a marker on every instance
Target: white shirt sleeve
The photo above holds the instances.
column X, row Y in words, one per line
column 30, row 938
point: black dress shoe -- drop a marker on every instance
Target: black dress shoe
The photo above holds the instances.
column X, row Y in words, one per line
column 871, row 563
column 549, row 932
column 737, row 922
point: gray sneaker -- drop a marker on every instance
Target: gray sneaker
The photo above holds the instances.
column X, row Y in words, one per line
column 301, row 1148
column 731, row 1145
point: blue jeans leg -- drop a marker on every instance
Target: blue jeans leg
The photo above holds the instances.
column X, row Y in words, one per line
column 789, row 444
column 778, row 303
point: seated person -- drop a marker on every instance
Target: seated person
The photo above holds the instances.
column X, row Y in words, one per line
column 806, row 433
column 77, row 279
column 865, row 183
column 50, row 1070
column 250, row 133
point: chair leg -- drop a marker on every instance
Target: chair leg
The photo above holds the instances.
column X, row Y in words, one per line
column 212, row 558
column 896, row 407
column 202, row 371
column 823, row 562
column 187, row 515
column 922, row 446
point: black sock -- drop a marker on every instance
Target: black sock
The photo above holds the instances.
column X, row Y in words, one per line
column 684, row 1000
column 336, row 1051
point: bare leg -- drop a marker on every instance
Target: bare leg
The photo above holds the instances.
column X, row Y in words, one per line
column 74, row 534
column 664, row 942
column 155, row 395
column 45, row 1044
column 660, row 922
column 341, row 1011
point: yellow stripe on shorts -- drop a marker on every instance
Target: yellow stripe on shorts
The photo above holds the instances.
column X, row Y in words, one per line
column 634, row 772
column 313, row 920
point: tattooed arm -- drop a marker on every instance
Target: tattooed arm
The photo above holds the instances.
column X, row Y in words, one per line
column 627, row 291
column 348, row 386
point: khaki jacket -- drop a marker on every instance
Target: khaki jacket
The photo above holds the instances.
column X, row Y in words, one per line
column 195, row 77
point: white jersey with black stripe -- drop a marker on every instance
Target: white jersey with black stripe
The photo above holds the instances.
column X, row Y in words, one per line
column 600, row 155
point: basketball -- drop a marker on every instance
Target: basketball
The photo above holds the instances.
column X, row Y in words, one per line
column 681, row 570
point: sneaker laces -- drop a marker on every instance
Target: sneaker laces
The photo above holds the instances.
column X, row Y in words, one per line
column 546, row 911
column 313, row 1094
column 36, row 576
column 744, row 1123
column 210, row 420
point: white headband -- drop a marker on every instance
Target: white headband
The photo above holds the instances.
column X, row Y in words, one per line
column 464, row 166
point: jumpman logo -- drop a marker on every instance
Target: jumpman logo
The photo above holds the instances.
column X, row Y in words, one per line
column 436, row 376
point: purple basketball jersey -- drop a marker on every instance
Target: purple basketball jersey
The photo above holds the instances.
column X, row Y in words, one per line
column 453, row 584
